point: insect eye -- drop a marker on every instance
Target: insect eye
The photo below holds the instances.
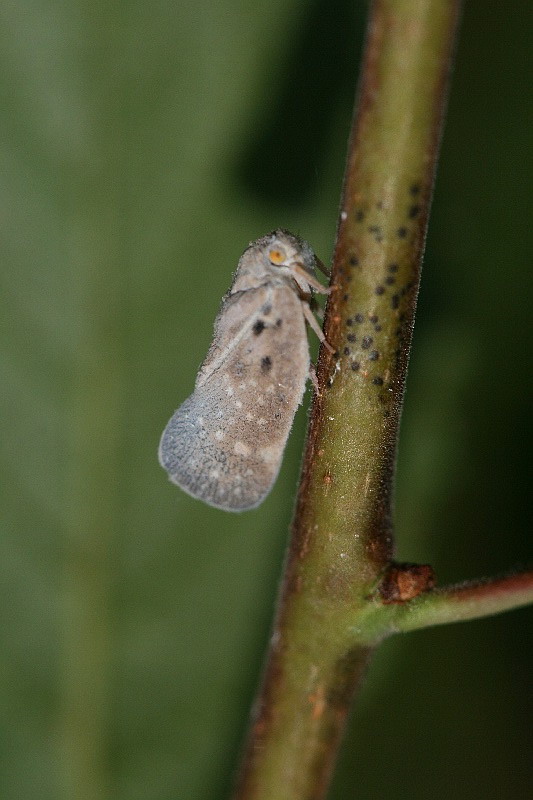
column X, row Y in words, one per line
column 277, row 255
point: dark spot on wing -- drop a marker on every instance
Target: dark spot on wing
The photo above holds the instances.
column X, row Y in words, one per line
column 258, row 327
column 266, row 364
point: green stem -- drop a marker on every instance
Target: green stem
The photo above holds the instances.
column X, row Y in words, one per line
column 342, row 532
column 460, row 603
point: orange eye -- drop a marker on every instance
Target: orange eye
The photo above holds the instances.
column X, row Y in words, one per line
column 276, row 255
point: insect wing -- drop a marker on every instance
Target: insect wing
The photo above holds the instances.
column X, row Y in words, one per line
column 225, row 444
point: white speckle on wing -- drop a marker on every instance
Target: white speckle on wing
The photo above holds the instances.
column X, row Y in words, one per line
column 270, row 454
column 238, row 404
column 219, row 435
column 241, row 449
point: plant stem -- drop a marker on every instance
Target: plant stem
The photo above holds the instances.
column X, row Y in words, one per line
column 342, row 532
column 461, row 603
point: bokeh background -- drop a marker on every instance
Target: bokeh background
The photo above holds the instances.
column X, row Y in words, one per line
column 142, row 146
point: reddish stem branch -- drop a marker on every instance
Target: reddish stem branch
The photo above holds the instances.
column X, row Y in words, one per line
column 463, row 602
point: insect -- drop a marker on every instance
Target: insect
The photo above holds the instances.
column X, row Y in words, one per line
column 225, row 443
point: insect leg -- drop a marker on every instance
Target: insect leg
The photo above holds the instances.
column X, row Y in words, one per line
column 322, row 267
column 313, row 282
column 308, row 314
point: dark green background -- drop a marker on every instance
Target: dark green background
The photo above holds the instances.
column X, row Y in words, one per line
column 142, row 146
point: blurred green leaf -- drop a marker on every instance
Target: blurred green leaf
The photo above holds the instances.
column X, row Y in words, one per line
column 134, row 619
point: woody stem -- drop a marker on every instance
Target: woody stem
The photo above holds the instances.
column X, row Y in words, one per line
column 342, row 533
